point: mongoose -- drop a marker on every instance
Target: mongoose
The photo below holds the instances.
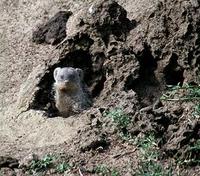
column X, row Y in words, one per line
column 71, row 95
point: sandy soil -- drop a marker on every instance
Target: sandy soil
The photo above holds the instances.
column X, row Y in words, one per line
column 31, row 131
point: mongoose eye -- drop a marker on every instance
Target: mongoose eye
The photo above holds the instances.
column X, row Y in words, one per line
column 61, row 77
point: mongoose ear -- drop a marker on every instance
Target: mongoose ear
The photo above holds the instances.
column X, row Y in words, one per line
column 80, row 73
column 56, row 72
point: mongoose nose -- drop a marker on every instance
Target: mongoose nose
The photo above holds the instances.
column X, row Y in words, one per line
column 66, row 81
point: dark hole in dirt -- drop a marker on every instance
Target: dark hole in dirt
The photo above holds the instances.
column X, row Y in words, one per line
column 163, row 120
column 197, row 42
column 44, row 98
column 103, row 143
column 98, row 87
column 6, row 161
column 190, row 57
column 79, row 59
column 188, row 35
column 146, row 78
column 98, row 76
column 173, row 73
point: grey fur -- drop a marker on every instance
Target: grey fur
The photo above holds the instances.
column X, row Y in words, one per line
column 71, row 95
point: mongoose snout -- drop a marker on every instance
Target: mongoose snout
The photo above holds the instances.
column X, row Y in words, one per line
column 67, row 87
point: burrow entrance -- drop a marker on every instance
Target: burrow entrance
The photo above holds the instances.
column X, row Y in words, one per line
column 44, row 98
column 146, row 83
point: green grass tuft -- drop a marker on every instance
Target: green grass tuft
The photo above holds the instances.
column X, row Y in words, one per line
column 119, row 117
column 190, row 93
column 185, row 92
column 42, row 164
column 62, row 167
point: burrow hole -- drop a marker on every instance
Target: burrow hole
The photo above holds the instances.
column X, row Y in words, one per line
column 173, row 72
column 44, row 98
column 146, row 85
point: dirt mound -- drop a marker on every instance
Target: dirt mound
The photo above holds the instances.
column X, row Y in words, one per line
column 104, row 43
column 128, row 65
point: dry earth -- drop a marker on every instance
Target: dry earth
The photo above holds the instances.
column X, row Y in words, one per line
column 129, row 52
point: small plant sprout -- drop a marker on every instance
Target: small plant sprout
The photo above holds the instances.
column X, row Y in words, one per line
column 62, row 167
column 119, row 118
column 121, row 121
column 42, row 165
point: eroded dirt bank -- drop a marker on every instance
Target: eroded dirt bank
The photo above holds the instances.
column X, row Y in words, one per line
column 129, row 52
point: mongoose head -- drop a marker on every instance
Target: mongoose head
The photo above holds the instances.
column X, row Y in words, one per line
column 68, row 79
